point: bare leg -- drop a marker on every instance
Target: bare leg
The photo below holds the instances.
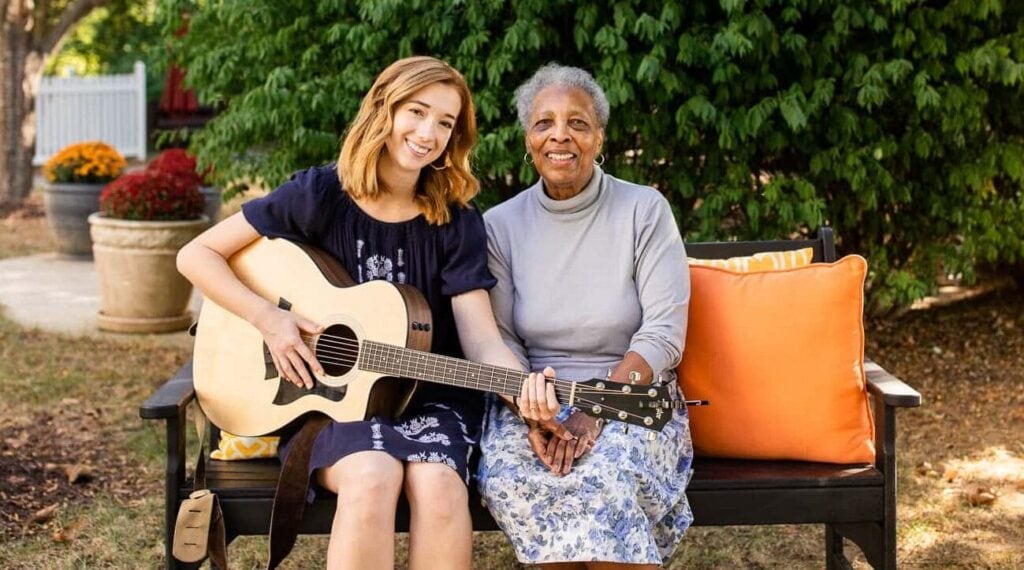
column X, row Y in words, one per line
column 440, row 530
column 363, row 532
column 564, row 566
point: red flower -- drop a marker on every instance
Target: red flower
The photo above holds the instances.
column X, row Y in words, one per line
column 151, row 195
column 181, row 165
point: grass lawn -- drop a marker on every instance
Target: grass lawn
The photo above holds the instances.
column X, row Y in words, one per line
column 75, row 457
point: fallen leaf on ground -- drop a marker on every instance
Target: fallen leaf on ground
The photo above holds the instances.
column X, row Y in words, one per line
column 68, row 533
column 980, row 496
column 42, row 515
column 950, row 475
column 77, row 472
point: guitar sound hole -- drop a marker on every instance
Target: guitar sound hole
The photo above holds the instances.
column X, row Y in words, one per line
column 337, row 349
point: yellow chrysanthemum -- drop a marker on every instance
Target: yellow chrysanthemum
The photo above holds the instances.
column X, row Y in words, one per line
column 85, row 162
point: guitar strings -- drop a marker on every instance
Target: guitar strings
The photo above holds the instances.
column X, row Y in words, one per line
column 346, row 348
column 345, row 351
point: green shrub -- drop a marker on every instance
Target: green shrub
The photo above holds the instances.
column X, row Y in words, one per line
column 897, row 122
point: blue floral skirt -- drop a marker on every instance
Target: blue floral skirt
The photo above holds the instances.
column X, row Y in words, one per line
column 623, row 502
column 427, row 432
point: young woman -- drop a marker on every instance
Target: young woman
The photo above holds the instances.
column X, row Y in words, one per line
column 395, row 207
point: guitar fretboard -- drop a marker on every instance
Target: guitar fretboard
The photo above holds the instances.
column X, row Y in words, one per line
column 418, row 365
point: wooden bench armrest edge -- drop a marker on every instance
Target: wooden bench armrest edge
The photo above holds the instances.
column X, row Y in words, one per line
column 171, row 398
column 893, row 391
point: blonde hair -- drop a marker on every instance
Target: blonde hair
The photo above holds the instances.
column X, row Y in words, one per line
column 366, row 137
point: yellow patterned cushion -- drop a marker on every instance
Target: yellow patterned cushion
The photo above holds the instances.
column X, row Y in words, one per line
column 766, row 261
column 236, row 447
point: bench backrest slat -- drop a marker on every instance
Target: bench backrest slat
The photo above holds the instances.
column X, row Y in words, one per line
column 824, row 247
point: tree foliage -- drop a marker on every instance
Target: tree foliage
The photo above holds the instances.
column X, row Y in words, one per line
column 111, row 39
column 896, row 121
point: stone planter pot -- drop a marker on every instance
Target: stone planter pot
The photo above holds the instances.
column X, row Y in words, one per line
column 211, row 195
column 67, row 209
column 141, row 290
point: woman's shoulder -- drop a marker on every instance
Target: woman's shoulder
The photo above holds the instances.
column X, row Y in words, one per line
column 633, row 192
column 645, row 202
column 463, row 219
column 317, row 185
column 510, row 210
column 320, row 179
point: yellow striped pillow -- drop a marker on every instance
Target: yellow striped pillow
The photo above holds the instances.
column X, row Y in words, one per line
column 235, row 447
column 765, row 261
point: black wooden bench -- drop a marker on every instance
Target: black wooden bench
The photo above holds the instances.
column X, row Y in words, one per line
column 857, row 503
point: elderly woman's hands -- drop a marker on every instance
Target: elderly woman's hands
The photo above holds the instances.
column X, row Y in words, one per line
column 559, row 453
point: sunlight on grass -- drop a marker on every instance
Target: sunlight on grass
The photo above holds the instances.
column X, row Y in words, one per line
column 993, row 465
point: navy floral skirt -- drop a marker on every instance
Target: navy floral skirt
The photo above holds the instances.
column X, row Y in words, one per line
column 427, row 432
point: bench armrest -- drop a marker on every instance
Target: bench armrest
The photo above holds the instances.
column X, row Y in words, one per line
column 170, row 399
column 890, row 389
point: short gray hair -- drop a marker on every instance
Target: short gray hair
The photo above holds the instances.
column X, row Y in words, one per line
column 555, row 74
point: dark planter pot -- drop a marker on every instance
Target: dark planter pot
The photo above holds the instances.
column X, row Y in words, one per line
column 67, row 209
column 211, row 195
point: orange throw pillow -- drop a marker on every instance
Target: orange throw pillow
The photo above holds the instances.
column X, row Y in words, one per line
column 780, row 356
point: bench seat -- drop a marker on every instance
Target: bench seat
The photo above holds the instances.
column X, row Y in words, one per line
column 722, row 491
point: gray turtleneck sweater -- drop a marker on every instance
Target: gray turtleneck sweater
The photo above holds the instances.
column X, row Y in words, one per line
column 584, row 280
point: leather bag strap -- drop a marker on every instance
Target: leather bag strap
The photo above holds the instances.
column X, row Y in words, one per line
column 292, row 488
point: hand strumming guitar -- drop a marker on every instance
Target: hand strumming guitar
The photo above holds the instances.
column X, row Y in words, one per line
column 283, row 332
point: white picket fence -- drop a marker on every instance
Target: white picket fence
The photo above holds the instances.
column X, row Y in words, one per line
column 109, row 108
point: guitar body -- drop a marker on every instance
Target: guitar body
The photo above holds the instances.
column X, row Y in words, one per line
column 235, row 380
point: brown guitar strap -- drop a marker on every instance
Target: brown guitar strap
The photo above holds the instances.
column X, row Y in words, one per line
column 292, row 488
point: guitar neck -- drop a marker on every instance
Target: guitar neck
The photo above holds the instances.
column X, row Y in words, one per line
column 408, row 363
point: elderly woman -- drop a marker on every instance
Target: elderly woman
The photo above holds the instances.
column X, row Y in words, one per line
column 592, row 282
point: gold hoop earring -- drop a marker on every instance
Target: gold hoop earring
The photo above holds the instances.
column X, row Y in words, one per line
column 602, row 160
column 446, row 163
column 527, row 158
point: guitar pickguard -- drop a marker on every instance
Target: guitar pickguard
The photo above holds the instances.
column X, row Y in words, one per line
column 288, row 392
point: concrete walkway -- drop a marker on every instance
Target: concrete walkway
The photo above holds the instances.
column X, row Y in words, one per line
column 59, row 294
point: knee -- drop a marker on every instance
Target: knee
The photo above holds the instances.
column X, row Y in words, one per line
column 364, row 485
column 436, row 491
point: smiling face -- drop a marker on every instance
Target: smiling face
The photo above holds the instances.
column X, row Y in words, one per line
column 421, row 128
column 563, row 136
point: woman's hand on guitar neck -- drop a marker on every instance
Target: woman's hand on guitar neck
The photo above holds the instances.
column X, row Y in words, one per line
column 282, row 331
column 537, row 400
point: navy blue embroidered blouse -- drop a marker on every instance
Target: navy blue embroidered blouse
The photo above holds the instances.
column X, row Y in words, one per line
column 440, row 261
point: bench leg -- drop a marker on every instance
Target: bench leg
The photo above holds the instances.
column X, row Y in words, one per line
column 835, row 559
column 876, row 542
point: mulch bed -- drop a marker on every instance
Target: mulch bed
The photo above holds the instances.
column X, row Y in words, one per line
column 50, row 460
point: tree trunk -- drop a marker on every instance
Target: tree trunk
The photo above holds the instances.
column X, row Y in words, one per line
column 17, row 136
column 29, row 32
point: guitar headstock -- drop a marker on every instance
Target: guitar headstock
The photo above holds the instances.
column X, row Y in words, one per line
column 647, row 406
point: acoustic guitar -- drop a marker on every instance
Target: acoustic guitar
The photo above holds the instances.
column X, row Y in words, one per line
column 374, row 346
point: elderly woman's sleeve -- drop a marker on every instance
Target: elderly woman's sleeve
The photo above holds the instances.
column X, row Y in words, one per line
column 503, row 293
column 663, row 285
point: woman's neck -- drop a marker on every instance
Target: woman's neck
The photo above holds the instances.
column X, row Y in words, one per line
column 397, row 182
column 397, row 200
column 565, row 191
